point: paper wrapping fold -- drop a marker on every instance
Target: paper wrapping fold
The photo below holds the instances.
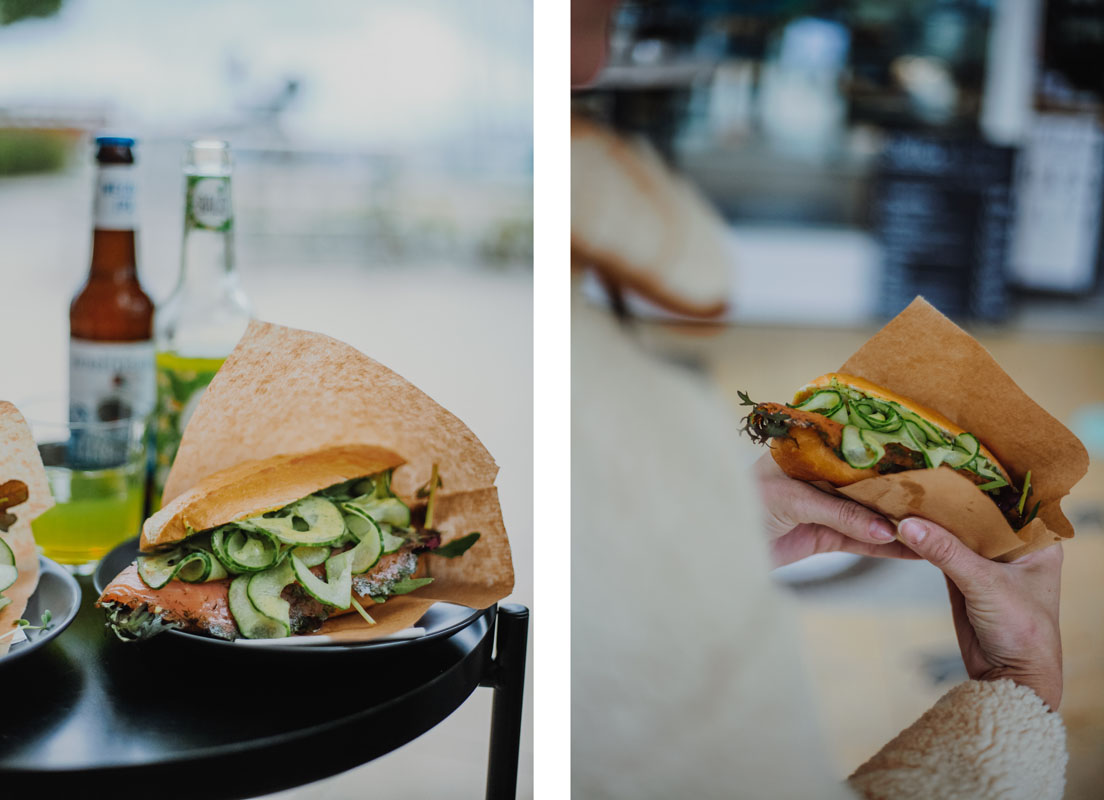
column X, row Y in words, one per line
column 20, row 460
column 285, row 391
column 924, row 356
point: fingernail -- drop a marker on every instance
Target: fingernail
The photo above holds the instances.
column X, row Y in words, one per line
column 913, row 530
column 882, row 531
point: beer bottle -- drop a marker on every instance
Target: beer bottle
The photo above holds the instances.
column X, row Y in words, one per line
column 111, row 317
column 207, row 312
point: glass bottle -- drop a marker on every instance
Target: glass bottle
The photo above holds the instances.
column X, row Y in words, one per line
column 202, row 320
column 111, row 316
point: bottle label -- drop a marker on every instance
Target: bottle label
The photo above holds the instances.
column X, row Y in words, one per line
column 108, row 381
column 181, row 382
column 207, row 204
column 114, row 206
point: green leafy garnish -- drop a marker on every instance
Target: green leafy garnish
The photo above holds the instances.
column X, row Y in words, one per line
column 996, row 483
column 1034, row 511
column 135, row 624
column 1023, row 497
column 25, row 625
column 362, row 612
column 762, row 426
column 408, row 585
column 434, row 483
column 457, row 547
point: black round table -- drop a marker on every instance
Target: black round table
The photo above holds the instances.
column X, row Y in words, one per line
column 90, row 715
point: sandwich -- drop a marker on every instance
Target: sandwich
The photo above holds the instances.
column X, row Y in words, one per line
column 24, row 494
column 315, row 490
column 275, row 547
column 842, row 429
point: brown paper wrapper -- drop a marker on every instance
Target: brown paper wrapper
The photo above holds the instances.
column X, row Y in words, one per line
column 19, row 460
column 924, row 356
column 285, row 391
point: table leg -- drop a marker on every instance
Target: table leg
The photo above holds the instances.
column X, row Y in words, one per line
column 506, row 675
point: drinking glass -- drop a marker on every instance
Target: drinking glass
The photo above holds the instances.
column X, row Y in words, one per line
column 97, row 474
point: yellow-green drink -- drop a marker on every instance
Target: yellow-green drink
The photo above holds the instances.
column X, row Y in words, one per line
column 95, row 510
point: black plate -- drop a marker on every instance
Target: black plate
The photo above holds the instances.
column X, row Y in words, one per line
column 440, row 620
column 57, row 591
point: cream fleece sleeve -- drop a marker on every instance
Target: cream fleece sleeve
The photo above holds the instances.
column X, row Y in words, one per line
column 983, row 739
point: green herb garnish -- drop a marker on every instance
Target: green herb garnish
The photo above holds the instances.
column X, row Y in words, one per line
column 457, row 547
column 1023, row 497
column 408, row 585
column 25, row 625
column 361, row 611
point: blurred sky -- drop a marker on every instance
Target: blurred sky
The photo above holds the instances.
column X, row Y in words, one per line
column 392, row 75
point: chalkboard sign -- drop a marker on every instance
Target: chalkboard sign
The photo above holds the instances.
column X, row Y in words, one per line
column 1073, row 39
column 942, row 214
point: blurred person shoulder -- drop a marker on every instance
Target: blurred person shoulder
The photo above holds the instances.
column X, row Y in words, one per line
column 643, row 227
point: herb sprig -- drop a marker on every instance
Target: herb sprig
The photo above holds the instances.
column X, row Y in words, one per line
column 25, row 625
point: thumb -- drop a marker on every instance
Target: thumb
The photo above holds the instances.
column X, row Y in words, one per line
column 942, row 548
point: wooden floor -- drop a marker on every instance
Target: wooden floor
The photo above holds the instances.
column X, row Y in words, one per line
column 879, row 642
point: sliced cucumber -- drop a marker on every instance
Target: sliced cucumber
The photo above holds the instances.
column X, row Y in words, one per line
column 858, row 452
column 391, row 510
column 391, row 542
column 357, row 520
column 825, row 402
column 195, row 567
column 880, row 416
column 7, row 557
column 931, row 433
column 218, row 570
column 4, row 600
column 156, row 571
column 938, row 455
column 311, row 521
column 252, row 624
column 312, row 556
column 958, row 458
column 366, row 553
column 335, row 592
column 265, row 590
column 245, row 549
column 8, row 575
column 840, row 415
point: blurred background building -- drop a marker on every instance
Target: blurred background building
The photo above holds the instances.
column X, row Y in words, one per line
column 861, row 153
column 382, row 194
column 951, row 148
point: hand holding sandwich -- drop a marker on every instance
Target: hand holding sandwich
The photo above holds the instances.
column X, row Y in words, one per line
column 1005, row 615
column 802, row 521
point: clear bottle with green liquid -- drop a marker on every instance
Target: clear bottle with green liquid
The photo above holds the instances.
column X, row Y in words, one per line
column 202, row 320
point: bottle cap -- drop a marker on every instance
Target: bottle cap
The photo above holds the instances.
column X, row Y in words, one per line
column 115, row 141
column 208, row 157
